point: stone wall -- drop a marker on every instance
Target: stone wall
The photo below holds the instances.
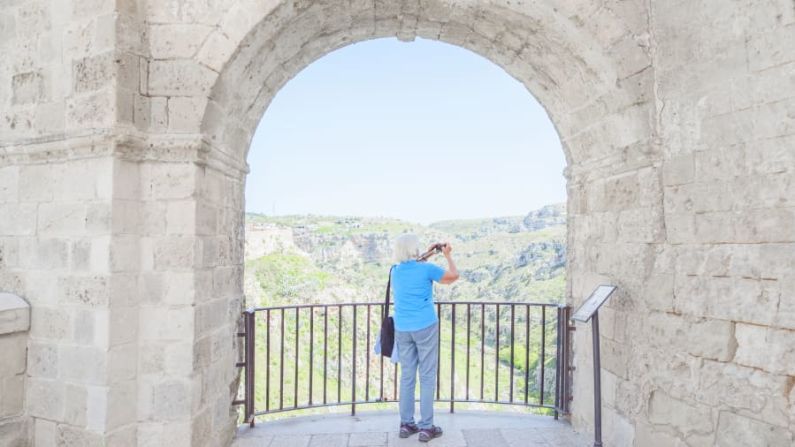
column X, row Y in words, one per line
column 122, row 164
column 14, row 325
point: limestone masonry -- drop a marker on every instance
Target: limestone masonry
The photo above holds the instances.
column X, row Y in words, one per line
column 124, row 127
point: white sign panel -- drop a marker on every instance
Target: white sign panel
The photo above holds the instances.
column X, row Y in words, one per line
column 593, row 303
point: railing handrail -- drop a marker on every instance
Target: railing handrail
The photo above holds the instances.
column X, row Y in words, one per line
column 381, row 303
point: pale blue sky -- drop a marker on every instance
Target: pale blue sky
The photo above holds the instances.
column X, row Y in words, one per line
column 421, row 131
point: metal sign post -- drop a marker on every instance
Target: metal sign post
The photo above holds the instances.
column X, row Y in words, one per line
column 590, row 311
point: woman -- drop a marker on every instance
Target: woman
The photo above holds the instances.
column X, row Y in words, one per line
column 417, row 331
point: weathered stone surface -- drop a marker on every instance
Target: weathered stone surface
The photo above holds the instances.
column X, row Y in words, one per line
column 124, row 140
column 772, row 350
column 738, row 430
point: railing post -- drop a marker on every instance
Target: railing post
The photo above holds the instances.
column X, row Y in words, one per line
column 353, row 374
column 249, row 393
column 452, row 361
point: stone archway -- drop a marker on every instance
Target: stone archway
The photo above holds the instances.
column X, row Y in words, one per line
column 599, row 104
column 122, row 164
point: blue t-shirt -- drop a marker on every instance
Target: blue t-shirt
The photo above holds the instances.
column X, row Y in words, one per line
column 412, row 291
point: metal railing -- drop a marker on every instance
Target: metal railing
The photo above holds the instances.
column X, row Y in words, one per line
column 318, row 355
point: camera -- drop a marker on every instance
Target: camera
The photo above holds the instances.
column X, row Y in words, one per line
column 435, row 248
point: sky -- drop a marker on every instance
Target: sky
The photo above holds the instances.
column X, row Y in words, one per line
column 421, row 131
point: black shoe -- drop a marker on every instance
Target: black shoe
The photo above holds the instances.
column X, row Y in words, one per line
column 426, row 434
column 407, row 430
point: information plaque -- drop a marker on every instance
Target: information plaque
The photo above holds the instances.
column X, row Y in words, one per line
column 589, row 311
column 593, row 303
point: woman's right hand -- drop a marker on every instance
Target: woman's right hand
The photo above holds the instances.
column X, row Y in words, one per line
column 447, row 248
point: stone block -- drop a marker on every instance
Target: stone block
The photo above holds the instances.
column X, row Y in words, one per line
column 216, row 50
column 45, row 398
column 44, row 433
column 178, row 288
column 185, row 113
column 156, row 434
column 125, row 254
column 43, row 360
column 173, row 399
column 772, row 350
column 61, row 219
column 19, row 219
column 179, row 77
column 43, row 254
column 747, row 391
column 9, row 184
column 52, row 323
column 122, row 363
column 85, row 290
column 142, row 112
column 785, row 314
column 618, row 429
column 738, row 430
column 771, row 156
column 94, row 72
column 126, row 180
column 181, row 217
column 12, row 397
column 685, row 417
column 176, row 253
column 14, row 314
column 14, row 347
column 119, row 410
column 86, row 329
column 159, row 323
column 95, row 406
column 91, row 255
column 738, row 299
column 651, row 436
column 49, row 117
column 94, row 110
column 678, row 170
column 713, row 339
column 124, row 436
column 168, row 181
column 159, row 111
column 765, row 225
column 14, row 432
column 69, row 436
column 36, row 183
column 84, row 364
column 770, row 48
column 174, row 41
column 122, row 325
column 124, row 289
column 75, row 398
column 28, row 88
column 7, row 28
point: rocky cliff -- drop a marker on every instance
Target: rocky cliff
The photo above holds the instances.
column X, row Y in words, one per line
column 326, row 259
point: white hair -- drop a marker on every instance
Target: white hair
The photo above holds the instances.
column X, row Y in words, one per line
column 407, row 247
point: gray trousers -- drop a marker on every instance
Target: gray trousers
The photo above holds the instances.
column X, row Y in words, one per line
column 419, row 351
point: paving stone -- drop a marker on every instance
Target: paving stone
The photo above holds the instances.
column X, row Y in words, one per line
column 484, row 438
column 368, row 439
column 291, row 440
column 329, row 440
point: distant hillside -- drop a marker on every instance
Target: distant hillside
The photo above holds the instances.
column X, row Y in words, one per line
column 291, row 259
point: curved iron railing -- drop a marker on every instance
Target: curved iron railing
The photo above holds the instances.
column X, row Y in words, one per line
column 298, row 357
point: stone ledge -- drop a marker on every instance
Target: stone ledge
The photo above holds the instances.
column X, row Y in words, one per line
column 14, row 314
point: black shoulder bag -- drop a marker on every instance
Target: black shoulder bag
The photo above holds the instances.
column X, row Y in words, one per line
column 387, row 323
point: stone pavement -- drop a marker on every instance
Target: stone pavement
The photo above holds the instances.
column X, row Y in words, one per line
column 379, row 429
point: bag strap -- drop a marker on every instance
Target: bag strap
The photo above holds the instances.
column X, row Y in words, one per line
column 385, row 313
